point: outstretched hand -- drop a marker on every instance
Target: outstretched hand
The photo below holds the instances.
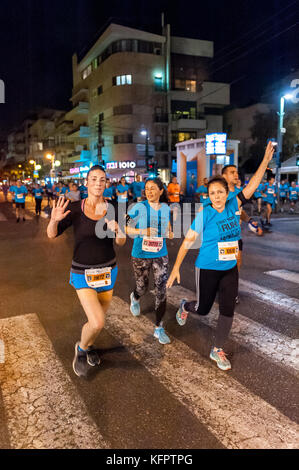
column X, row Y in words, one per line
column 269, row 151
column 58, row 212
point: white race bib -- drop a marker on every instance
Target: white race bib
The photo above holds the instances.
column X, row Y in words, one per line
column 205, row 196
column 100, row 277
column 152, row 245
column 270, row 191
column 228, row 251
column 20, row 196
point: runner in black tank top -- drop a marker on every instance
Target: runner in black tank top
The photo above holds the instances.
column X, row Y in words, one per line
column 93, row 270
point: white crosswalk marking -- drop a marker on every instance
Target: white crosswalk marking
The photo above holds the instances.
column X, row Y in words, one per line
column 275, row 298
column 285, row 274
column 2, row 217
column 238, row 418
column 41, row 403
column 278, row 348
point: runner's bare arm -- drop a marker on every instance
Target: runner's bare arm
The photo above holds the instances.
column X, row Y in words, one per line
column 58, row 213
column 185, row 246
column 257, row 177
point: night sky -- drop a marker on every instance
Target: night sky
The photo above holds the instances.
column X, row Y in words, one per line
column 256, row 43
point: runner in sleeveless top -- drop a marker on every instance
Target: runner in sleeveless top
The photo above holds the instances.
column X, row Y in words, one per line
column 94, row 270
column 151, row 220
column 216, row 266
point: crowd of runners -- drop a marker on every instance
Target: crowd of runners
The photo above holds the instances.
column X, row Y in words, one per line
column 101, row 216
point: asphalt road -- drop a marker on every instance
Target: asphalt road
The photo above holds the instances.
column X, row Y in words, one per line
column 145, row 395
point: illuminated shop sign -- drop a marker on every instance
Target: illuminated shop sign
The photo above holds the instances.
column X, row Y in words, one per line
column 216, row 144
column 120, row 165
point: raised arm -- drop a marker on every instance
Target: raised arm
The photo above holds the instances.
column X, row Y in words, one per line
column 58, row 213
column 258, row 176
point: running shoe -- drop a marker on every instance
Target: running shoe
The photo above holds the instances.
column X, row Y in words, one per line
column 134, row 305
column 80, row 365
column 218, row 355
column 161, row 335
column 93, row 357
column 181, row 314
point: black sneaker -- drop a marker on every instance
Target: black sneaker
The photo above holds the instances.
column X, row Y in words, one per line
column 93, row 357
column 80, row 365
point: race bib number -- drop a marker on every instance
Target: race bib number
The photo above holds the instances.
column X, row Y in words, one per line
column 98, row 277
column 123, row 196
column 270, row 191
column 294, row 193
column 205, row 196
column 228, row 251
column 37, row 194
column 20, row 196
column 152, row 245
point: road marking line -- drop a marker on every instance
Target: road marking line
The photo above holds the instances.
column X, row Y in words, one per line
column 275, row 298
column 42, row 405
column 284, row 274
column 275, row 346
column 237, row 417
column 2, row 217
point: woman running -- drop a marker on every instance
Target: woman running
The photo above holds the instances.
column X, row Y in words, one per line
column 94, row 270
column 216, row 265
column 151, row 220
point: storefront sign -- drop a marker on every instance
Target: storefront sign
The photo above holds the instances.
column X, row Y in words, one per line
column 216, row 144
column 74, row 171
column 120, row 165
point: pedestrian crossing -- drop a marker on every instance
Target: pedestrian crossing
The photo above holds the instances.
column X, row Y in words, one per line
column 44, row 409
column 285, row 274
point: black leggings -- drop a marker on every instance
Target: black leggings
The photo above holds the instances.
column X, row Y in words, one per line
column 226, row 284
column 38, row 206
column 142, row 268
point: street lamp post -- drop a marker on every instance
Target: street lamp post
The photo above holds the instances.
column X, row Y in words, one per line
column 280, row 131
column 145, row 134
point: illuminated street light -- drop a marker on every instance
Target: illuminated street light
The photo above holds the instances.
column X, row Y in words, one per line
column 281, row 130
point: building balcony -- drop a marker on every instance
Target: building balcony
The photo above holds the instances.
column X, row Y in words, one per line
column 80, row 131
column 81, row 108
column 188, row 123
column 80, row 156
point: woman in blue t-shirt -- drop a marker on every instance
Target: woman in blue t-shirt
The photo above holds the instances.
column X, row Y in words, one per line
column 216, row 265
column 149, row 223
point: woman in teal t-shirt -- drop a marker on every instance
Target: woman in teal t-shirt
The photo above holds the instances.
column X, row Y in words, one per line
column 149, row 223
column 218, row 226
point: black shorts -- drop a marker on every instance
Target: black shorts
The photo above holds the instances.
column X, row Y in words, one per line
column 20, row 205
column 240, row 243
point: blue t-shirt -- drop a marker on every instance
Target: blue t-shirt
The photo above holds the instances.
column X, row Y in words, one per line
column 20, row 193
column 258, row 192
column 137, row 187
column 270, row 191
column 122, row 189
column 293, row 193
column 109, row 192
column 215, row 228
column 38, row 193
column 202, row 189
column 64, row 190
column 283, row 189
column 12, row 189
column 83, row 191
column 145, row 216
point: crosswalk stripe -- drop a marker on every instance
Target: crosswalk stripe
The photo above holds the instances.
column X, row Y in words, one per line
column 284, row 274
column 42, row 405
column 2, row 217
column 276, row 347
column 275, row 298
column 236, row 417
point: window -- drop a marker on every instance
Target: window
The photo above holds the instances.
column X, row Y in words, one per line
column 100, row 90
column 95, row 63
column 86, row 72
column 122, row 80
column 123, row 139
column 187, row 85
column 123, row 109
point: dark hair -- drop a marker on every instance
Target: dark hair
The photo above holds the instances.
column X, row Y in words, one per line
column 95, row 167
column 159, row 183
column 220, row 180
column 226, row 167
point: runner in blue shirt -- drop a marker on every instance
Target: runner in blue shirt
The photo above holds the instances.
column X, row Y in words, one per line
column 20, row 192
column 216, row 265
column 12, row 191
column 258, row 197
column 293, row 196
column 83, row 191
column 122, row 191
column 283, row 193
column 202, row 191
column 269, row 195
column 38, row 192
column 109, row 191
column 149, row 223
column 137, row 189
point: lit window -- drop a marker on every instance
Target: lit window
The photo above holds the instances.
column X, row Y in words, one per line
column 122, row 80
column 129, row 79
column 118, row 81
column 86, row 72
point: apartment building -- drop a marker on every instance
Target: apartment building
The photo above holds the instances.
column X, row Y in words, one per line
column 132, row 81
